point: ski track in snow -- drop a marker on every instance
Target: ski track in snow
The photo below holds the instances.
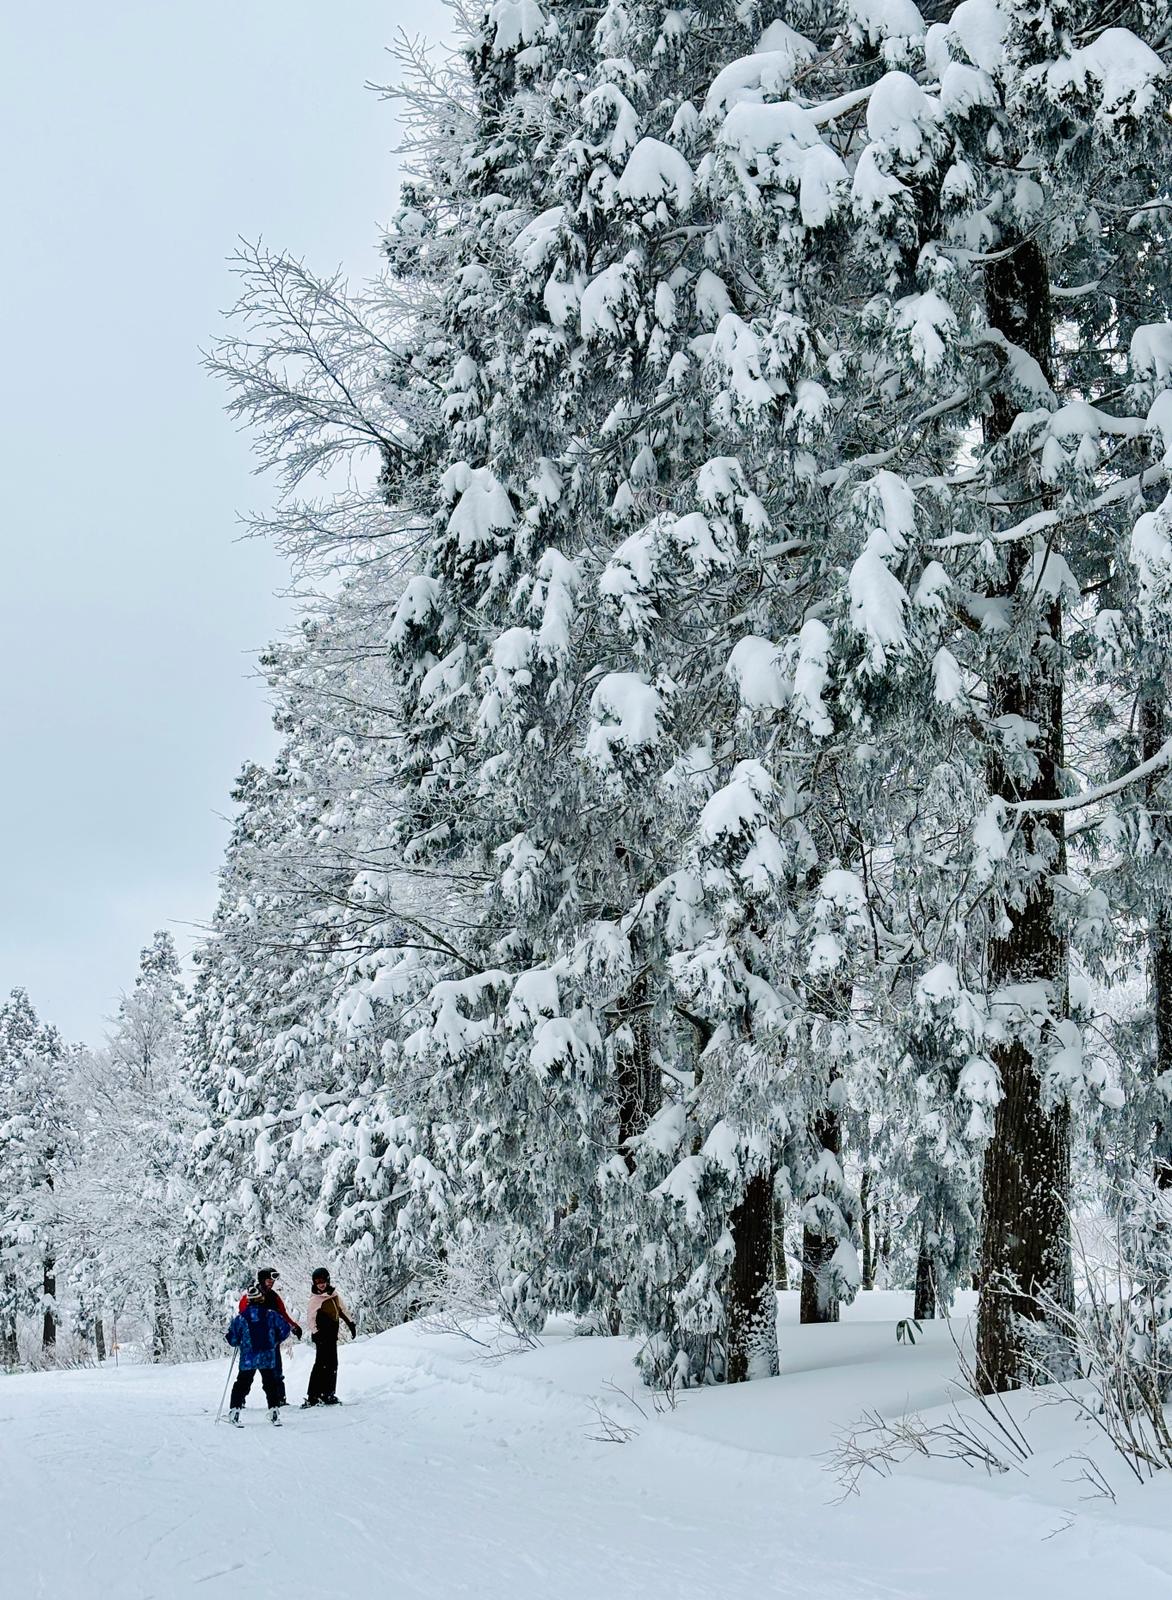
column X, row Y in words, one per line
column 449, row 1477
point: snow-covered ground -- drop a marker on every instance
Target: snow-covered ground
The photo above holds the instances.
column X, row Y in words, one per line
column 447, row 1477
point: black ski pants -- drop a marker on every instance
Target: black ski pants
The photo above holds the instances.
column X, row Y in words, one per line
column 323, row 1380
column 273, row 1380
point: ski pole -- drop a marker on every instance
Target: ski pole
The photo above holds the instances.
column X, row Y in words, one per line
column 227, row 1381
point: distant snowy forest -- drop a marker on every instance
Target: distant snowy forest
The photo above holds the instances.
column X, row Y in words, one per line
column 721, row 834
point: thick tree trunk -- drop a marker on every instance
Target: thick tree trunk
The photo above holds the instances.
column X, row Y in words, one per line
column 1161, row 981
column 100, row 1338
column 9, row 1349
column 780, row 1264
column 639, row 1086
column 818, row 1303
column 1154, row 732
column 639, row 1092
column 1026, row 1178
column 49, row 1302
column 883, row 1244
column 164, row 1320
column 866, row 1223
column 925, row 1306
column 751, row 1307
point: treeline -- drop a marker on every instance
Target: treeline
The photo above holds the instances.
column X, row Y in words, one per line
column 95, row 1193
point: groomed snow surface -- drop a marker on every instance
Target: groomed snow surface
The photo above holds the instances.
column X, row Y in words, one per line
column 447, row 1477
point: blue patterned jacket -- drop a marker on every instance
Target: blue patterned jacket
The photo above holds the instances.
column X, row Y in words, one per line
column 258, row 1331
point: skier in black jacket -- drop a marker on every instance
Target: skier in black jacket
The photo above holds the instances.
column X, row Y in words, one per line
column 327, row 1311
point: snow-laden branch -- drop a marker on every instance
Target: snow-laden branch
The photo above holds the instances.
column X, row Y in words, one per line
column 1044, row 521
column 1104, row 791
column 834, row 476
column 840, row 106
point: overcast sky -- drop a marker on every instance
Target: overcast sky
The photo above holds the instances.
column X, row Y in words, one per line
column 140, row 140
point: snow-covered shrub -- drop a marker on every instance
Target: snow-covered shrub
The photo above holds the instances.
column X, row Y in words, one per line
column 1117, row 1336
column 470, row 1289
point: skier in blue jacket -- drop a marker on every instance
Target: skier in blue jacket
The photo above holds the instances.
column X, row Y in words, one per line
column 258, row 1332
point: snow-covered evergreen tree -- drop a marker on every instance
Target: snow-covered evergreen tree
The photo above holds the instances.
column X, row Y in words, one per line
column 256, row 1031
column 768, row 410
column 35, row 1145
column 125, row 1201
column 973, row 161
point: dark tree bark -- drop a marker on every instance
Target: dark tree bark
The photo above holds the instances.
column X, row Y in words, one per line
column 100, row 1338
column 9, row 1350
column 818, row 1303
column 751, row 1308
column 164, row 1344
column 639, row 1093
column 780, row 1264
column 1026, row 1177
column 925, row 1306
column 1154, row 733
column 49, row 1290
column 866, row 1223
column 638, row 1083
column 883, row 1241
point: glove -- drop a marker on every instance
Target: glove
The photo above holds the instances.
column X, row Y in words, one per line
column 296, row 1330
column 353, row 1330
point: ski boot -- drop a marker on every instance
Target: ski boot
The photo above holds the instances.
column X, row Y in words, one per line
column 275, row 1416
column 234, row 1417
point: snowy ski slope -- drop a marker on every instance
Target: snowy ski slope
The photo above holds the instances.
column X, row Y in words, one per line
column 448, row 1477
